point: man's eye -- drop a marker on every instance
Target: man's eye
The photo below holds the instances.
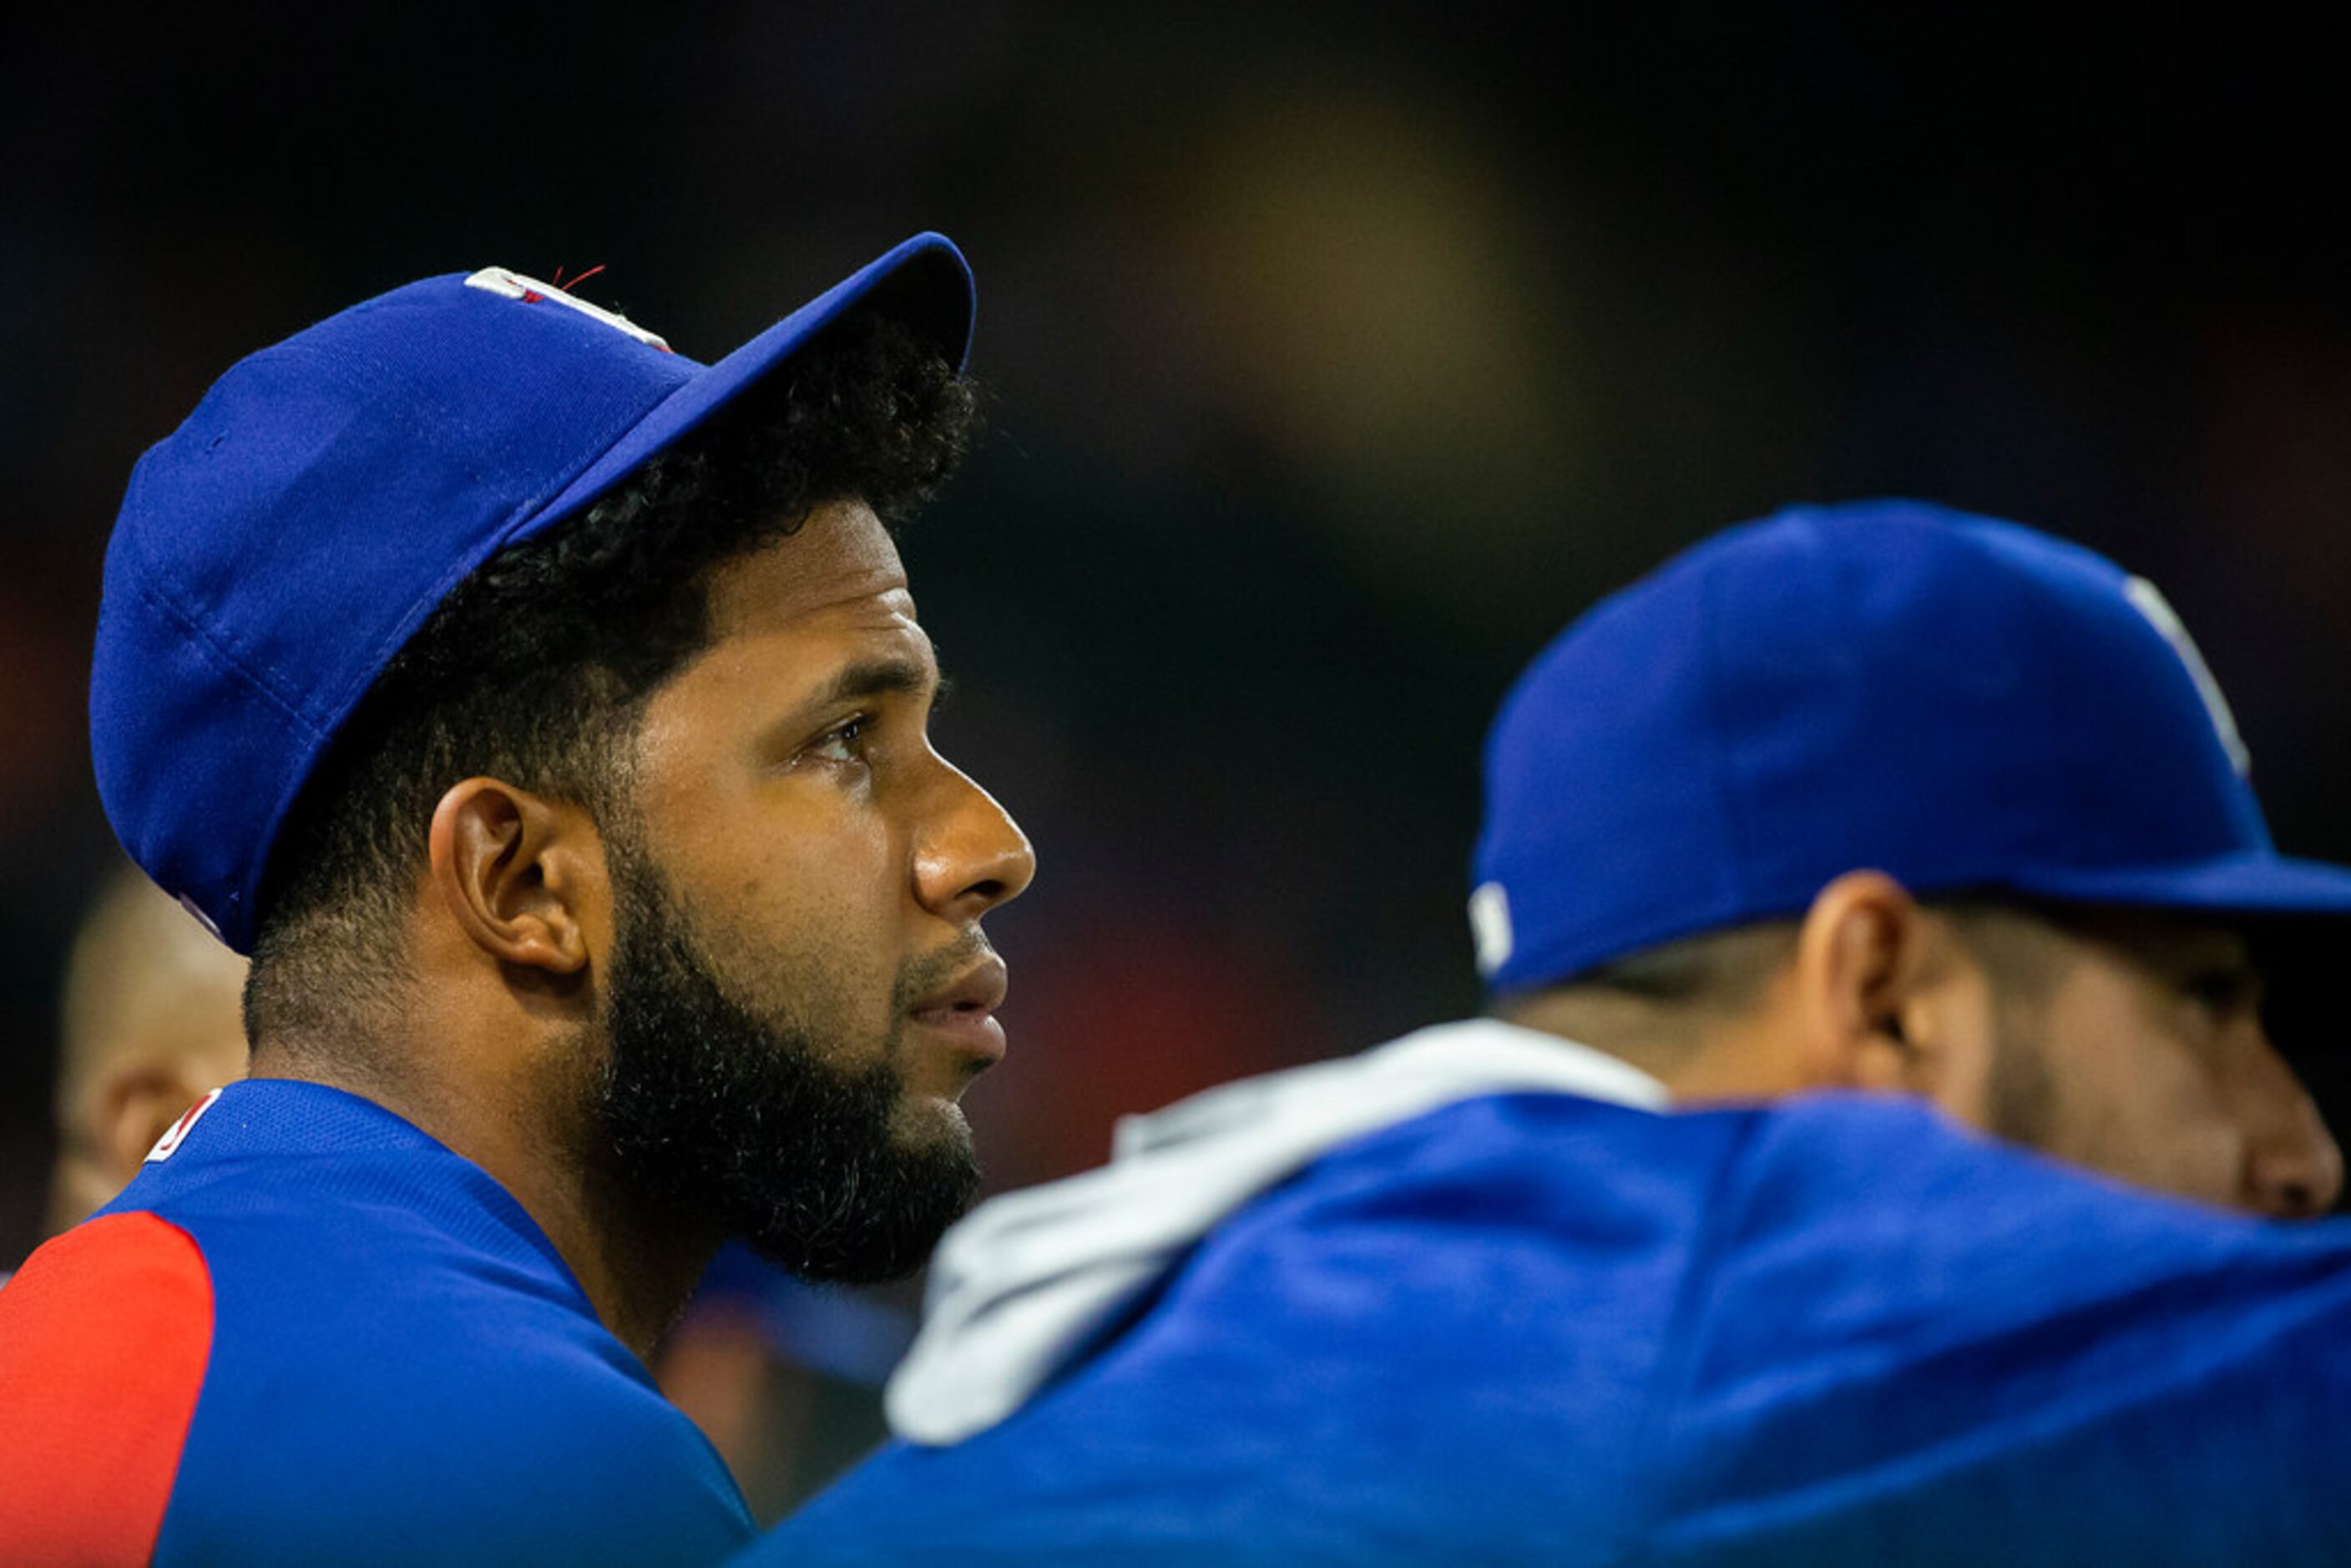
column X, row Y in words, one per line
column 2221, row 992
column 842, row 743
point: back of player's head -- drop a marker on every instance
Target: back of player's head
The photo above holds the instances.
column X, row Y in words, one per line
column 1963, row 704
column 147, row 1021
column 474, row 493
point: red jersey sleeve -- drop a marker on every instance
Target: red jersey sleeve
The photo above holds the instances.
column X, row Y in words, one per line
column 104, row 1335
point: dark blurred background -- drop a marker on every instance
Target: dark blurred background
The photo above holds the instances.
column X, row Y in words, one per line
column 1338, row 354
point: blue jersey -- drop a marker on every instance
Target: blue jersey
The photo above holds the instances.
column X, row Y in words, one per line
column 1540, row 1328
column 311, row 1333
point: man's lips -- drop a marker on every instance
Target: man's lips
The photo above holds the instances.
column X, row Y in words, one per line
column 963, row 1010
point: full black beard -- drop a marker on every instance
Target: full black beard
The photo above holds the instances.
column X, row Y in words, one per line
column 719, row 1116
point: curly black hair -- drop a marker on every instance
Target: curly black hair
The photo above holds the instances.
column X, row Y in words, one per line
column 537, row 663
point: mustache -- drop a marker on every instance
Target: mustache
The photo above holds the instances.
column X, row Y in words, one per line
column 924, row 974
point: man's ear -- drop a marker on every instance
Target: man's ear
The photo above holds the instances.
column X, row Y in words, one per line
column 516, row 871
column 137, row 1105
column 1859, row 956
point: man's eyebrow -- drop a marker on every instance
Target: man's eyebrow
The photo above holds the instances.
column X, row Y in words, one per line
column 874, row 678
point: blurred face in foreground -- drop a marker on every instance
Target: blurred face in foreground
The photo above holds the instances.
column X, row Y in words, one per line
column 2127, row 1041
column 2136, row 1048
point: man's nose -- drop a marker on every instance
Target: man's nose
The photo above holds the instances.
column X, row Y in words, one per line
column 2293, row 1168
column 975, row 855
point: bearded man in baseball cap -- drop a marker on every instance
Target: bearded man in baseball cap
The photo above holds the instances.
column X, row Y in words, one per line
column 545, row 713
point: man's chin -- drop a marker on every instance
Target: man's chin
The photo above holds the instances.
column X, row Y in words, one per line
column 924, row 1121
column 909, row 1210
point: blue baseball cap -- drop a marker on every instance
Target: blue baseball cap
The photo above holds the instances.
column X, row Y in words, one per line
column 274, row 552
column 1960, row 703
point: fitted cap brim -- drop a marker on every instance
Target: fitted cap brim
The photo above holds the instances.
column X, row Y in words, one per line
column 924, row 283
column 2248, row 883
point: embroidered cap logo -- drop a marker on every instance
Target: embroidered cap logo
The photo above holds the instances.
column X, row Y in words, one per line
column 2149, row 601
column 531, row 291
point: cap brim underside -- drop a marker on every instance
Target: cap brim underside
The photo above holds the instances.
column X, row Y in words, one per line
column 2235, row 884
column 924, row 282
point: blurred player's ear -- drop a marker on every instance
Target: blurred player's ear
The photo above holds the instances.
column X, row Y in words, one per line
column 512, row 871
column 138, row 1106
column 1859, row 957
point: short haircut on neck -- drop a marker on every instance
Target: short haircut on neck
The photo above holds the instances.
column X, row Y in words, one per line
column 1669, row 995
column 1663, row 999
column 536, row 669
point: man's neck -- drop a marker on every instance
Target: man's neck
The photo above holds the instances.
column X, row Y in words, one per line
column 637, row 1267
column 1700, row 1058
